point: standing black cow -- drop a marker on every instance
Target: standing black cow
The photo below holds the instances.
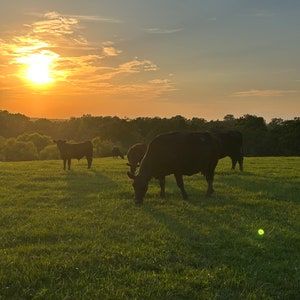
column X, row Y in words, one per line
column 180, row 154
column 75, row 150
column 115, row 152
column 135, row 155
column 231, row 143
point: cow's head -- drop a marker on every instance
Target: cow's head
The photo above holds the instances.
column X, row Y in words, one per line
column 133, row 168
column 60, row 143
column 140, row 186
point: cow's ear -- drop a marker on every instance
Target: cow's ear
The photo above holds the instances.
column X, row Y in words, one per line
column 128, row 164
column 130, row 175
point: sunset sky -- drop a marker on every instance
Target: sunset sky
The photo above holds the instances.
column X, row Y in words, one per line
column 138, row 58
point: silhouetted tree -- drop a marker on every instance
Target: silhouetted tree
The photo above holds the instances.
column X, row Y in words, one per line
column 279, row 137
column 18, row 151
column 49, row 152
column 254, row 130
column 40, row 141
column 12, row 125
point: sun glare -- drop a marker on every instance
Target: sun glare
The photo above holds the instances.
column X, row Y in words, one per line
column 39, row 67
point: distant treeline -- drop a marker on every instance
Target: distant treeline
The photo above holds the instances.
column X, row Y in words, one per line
column 22, row 138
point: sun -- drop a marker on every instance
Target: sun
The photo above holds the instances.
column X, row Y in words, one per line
column 39, row 67
column 38, row 70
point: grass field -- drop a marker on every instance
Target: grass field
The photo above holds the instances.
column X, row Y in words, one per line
column 77, row 234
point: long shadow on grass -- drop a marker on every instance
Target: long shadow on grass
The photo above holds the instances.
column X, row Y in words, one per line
column 211, row 239
column 280, row 189
column 219, row 235
column 82, row 185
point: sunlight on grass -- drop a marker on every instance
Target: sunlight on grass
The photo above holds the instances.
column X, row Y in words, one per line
column 77, row 234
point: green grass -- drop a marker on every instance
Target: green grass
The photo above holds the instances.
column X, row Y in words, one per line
column 77, row 234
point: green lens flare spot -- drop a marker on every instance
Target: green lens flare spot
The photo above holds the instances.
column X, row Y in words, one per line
column 261, row 232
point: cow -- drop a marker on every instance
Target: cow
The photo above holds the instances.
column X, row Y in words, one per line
column 116, row 152
column 231, row 145
column 134, row 156
column 178, row 153
column 75, row 150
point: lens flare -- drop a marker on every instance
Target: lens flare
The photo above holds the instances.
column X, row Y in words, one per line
column 261, row 231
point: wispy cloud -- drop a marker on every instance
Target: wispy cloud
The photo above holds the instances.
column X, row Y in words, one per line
column 80, row 66
column 54, row 23
column 265, row 93
column 162, row 30
column 259, row 14
column 89, row 18
column 111, row 51
column 95, row 19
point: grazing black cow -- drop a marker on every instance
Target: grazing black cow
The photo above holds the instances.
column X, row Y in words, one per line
column 116, row 152
column 231, row 145
column 75, row 150
column 135, row 155
column 180, row 154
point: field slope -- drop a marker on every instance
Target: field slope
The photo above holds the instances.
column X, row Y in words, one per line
column 77, row 234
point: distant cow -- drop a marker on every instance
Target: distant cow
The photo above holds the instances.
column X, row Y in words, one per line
column 135, row 155
column 231, row 145
column 116, row 153
column 75, row 150
column 180, row 154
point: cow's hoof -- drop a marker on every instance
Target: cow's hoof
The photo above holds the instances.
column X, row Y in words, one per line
column 208, row 194
column 137, row 202
column 185, row 197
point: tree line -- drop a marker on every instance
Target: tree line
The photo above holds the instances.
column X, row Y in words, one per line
column 22, row 138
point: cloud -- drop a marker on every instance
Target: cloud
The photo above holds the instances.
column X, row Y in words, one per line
column 111, row 51
column 135, row 66
column 160, row 81
column 54, row 24
column 259, row 14
column 162, row 31
column 265, row 93
column 95, row 19
column 88, row 18
column 80, row 66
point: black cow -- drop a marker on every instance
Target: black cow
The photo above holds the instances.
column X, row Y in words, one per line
column 135, row 155
column 231, row 145
column 75, row 150
column 116, row 152
column 180, row 154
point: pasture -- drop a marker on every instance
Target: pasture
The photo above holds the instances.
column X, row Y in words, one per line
column 77, row 234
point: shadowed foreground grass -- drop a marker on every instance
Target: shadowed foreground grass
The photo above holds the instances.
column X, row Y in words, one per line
column 77, row 234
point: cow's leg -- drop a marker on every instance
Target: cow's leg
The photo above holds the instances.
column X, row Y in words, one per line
column 180, row 184
column 240, row 161
column 162, row 184
column 89, row 160
column 210, row 178
column 64, row 163
column 233, row 163
column 210, row 188
column 69, row 163
column 237, row 160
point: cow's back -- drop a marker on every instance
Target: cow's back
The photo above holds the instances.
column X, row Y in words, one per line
column 231, row 143
column 77, row 150
column 188, row 153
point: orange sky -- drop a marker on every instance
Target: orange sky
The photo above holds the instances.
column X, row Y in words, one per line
column 201, row 61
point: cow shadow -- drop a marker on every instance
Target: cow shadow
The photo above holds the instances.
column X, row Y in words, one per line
column 214, row 242
column 83, row 186
column 279, row 189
